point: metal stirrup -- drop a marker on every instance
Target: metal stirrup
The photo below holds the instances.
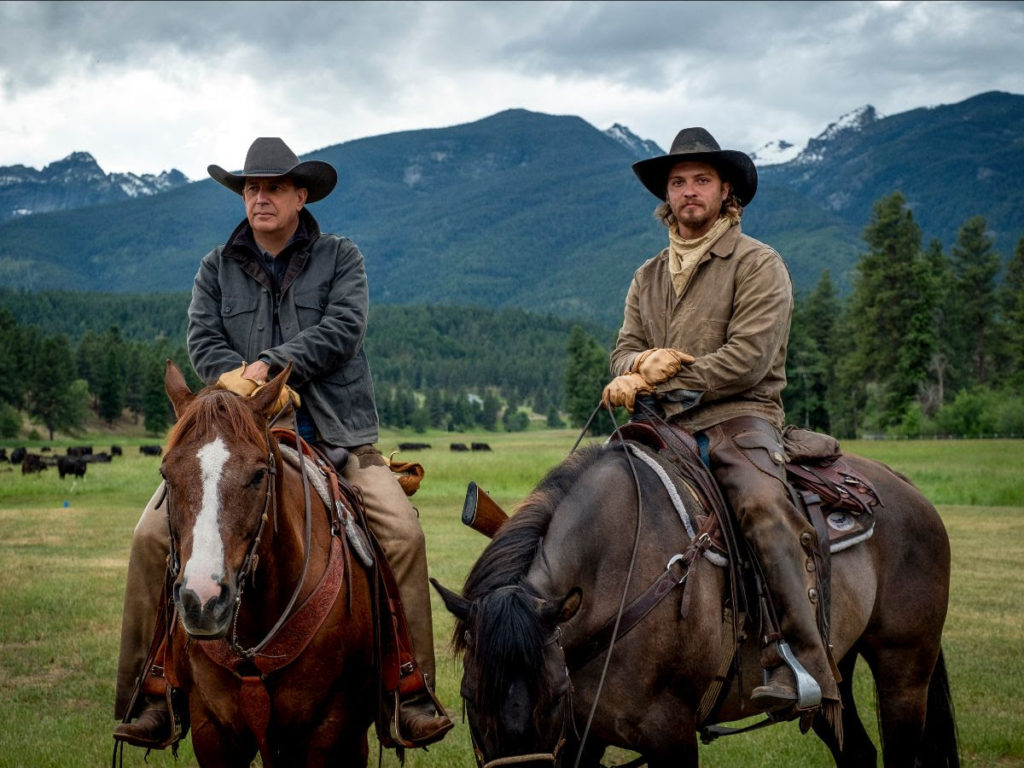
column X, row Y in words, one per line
column 808, row 692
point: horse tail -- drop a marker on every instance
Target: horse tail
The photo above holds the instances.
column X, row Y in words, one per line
column 940, row 744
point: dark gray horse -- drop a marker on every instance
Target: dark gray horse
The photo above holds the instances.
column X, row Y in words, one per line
column 557, row 572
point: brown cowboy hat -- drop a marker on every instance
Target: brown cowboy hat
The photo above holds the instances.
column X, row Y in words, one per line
column 697, row 145
column 269, row 157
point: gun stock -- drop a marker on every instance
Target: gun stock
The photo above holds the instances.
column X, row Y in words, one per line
column 481, row 513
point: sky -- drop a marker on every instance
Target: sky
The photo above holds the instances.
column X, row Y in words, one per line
column 149, row 86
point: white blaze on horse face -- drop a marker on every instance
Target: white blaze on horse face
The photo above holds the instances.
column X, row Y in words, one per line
column 205, row 568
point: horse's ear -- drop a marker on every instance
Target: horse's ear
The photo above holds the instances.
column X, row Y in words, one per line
column 177, row 390
column 267, row 399
column 456, row 604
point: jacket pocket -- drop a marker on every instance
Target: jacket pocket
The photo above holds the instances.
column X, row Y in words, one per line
column 309, row 307
column 237, row 314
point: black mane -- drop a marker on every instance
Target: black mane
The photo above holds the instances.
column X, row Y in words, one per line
column 508, row 557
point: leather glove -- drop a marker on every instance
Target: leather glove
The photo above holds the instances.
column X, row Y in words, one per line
column 287, row 396
column 660, row 364
column 233, row 382
column 622, row 390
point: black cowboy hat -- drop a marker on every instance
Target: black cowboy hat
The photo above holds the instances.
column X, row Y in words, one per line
column 269, row 157
column 697, row 145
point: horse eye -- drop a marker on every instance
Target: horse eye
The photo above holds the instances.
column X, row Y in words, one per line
column 257, row 478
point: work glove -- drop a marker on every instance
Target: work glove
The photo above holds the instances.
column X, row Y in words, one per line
column 234, row 382
column 660, row 364
column 622, row 390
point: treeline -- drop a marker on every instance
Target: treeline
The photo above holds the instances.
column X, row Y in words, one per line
column 930, row 342
column 58, row 384
column 64, row 355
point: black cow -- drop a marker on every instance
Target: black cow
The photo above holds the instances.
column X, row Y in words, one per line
column 18, row 455
column 92, row 458
column 480, row 447
column 80, row 450
column 115, row 450
column 459, row 447
column 413, row 446
column 71, row 465
column 32, row 463
column 3, row 454
column 151, row 450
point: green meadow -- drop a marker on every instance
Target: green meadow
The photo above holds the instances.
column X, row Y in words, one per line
column 64, row 548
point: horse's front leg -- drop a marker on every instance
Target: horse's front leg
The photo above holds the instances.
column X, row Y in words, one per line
column 218, row 747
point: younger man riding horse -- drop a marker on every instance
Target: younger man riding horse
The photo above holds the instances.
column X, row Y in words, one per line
column 280, row 291
column 706, row 327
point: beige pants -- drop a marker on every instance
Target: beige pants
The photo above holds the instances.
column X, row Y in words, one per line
column 391, row 518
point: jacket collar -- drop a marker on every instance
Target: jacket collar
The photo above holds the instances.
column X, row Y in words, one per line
column 242, row 245
column 724, row 246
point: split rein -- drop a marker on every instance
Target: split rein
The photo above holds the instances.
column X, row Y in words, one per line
column 252, row 558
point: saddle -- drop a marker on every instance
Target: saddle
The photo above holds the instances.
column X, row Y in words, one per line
column 837, row 501
column 824, row 487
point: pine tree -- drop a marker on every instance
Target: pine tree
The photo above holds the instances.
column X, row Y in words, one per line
column 1012, row 303
column 940, row 281
column 889, row 321
column 812, row 357
column 51, row 398
column 975, row 266
column 586, row 373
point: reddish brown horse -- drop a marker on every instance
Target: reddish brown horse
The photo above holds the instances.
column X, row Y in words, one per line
column 274, row 647
column 543, row 684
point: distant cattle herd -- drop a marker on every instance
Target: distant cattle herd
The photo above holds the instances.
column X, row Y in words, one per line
column 73, row 463
column 78, row 457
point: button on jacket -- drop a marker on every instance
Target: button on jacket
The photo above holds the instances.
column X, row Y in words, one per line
column 733, row 316
column 320, row 312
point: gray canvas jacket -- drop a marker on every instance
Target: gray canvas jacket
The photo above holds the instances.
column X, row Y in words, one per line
column 323, row 309
column 733, row 316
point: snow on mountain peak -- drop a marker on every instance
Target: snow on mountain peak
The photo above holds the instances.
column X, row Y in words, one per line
column 641, row 148
column 775, row 152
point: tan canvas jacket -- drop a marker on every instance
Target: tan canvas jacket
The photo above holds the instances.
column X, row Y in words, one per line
column 733, row 316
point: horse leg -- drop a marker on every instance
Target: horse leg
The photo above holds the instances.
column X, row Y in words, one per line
column 857, row 750
column 215, row 746
column 901, row 676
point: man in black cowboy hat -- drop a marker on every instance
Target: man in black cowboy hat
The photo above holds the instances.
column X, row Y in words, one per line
column 705, row 329
column 280, row 291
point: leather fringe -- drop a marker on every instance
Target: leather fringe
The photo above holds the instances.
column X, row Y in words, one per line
column 832, row 711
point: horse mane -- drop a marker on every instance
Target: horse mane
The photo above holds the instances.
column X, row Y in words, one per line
column 214, row 409
column 508, row 625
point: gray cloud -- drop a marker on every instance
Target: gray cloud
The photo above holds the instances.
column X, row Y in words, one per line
column 749, row 71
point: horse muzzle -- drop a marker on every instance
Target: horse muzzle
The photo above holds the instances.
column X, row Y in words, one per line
column 204, row 618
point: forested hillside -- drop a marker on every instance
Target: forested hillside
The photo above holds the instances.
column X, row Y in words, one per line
column 930, row 341
column 542, row 212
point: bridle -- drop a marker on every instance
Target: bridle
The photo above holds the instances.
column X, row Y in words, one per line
column 567, row 720
column 247, row 570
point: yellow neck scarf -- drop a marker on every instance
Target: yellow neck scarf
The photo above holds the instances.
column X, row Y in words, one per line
column 683, row 255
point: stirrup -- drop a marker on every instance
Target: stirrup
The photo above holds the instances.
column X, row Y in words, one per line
column 808, row 692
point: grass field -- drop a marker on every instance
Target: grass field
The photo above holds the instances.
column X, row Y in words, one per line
column 64, row 546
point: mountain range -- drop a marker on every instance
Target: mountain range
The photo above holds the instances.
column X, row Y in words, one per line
column 542, row 212
column 76, row 181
